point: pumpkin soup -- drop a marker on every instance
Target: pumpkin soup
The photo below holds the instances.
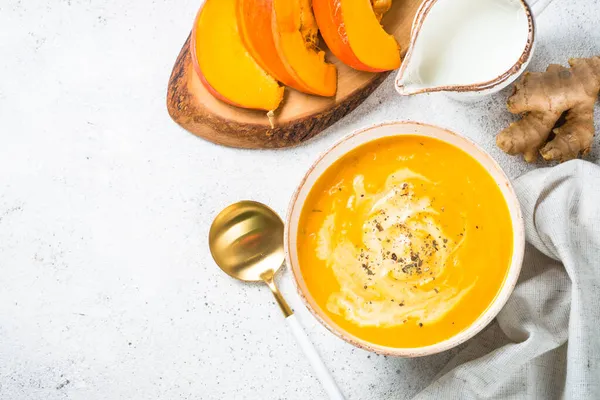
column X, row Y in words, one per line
column 404, row 241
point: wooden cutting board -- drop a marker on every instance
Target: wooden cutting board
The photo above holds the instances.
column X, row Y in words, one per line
column 299, row 118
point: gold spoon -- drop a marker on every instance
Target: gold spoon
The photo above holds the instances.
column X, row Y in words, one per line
column 246, row 241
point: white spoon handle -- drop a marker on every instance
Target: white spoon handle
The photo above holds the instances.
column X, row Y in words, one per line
column 310, row 352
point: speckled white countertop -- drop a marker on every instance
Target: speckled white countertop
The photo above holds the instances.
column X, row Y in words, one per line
column 107, row 287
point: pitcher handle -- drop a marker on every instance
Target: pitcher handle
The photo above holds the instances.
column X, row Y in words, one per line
column 538, row 6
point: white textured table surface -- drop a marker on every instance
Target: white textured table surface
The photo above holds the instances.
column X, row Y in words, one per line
column 107, row 288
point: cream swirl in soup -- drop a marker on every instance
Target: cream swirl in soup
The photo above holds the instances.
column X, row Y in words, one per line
column 398, row 272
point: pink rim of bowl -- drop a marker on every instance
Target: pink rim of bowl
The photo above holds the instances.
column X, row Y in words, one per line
column 351, row 142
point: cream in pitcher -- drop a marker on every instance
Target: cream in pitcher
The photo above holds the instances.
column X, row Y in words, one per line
column 466, row 45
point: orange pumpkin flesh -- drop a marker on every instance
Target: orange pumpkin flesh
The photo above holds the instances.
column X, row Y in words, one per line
column 352, row 31
column 331, row 25
column 256, row 30
column 295, row 37
column 224, row 65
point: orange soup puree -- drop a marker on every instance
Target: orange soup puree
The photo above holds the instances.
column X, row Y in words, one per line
column 405, row 241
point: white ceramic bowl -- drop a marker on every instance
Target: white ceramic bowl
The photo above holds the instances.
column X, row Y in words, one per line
column 356, row 139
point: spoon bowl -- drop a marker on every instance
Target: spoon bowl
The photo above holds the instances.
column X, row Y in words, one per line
column 246, row 241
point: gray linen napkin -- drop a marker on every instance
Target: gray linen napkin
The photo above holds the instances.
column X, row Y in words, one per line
column 546, row 342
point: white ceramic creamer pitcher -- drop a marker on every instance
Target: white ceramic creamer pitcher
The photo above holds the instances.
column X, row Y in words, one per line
column 468, row 48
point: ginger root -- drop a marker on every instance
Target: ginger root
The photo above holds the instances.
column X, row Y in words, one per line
column 543, row 98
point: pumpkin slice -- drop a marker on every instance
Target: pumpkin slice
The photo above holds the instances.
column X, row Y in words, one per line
column 352, row 31
column 223, row 63
column 256, row 29
column 295, row 35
